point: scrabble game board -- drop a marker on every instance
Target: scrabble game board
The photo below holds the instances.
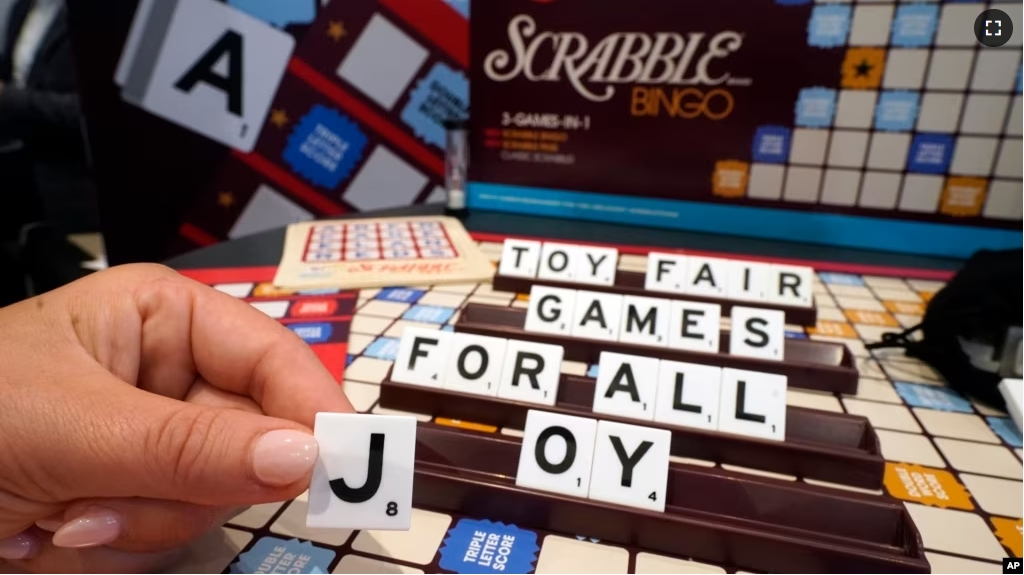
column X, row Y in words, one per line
column 955, row 464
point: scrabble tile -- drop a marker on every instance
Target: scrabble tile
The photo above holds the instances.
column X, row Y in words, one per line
column 474, row 364
column 596, row 265
column 558, row 262
column 417, row 545
column 363, row 476
column 757, row 333
column 666, row 273
column 753, row 404
column 748, row 281
column 630, row 465
column 688, row 395
column 557, row 453
column 626, row 386
column 597, row 315
column 531, row 371
column 520, row 258
column 708, row 277
column 422, row 357
column 790, row 285
column 758, row 472
column 574, row 368
column 551, row 310
column 695, row 326
column 292, row 524
column 645, row 321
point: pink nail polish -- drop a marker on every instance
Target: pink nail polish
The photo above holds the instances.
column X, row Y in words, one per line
column 21, row 546
column 50, row 525
column 284, row 456
column 96, row 527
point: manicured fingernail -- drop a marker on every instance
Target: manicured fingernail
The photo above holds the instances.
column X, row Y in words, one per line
column 50, row 525
column 284, row 456
column 96, row 527
column 21, row 546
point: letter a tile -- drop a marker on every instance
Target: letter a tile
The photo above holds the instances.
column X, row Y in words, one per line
column 364, row 473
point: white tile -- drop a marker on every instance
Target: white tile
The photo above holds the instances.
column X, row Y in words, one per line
column 422, row 357
column 630, row 465
column 274, row 309
column 905, row 69
column 1015, row 120
column 666, row 273
column 808, row 146
column 757, row 333
column 382, row 61
column 956, row 25
column 626, row 386
column 531, row 372
column 645, row 321
column 765, row 181
column 596, row 265
column 694, row 326
column 939, row 112
column 1004, row 200
column 841, row 187
column 1008, row 165
column 888, row 151
column 363, row 476
column 879, row 190
column 384, row 181
column 520, row 258
column 802, row 184
column 753, row 404
column 707, row 277
column 558, row 262
column 557, row 454
column 791, row 285
column 597, row 315
column 996, row 70
column 921, row 193
column 848, row 149
column 688, row 395
column 984, row 113
column 950, row 69
column 870, row 26
column 855, row 108
column 973, row 156
column 550, row 310
column 474, row 364
column 748, row 281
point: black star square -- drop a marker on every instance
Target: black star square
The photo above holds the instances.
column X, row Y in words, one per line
column 863, row 69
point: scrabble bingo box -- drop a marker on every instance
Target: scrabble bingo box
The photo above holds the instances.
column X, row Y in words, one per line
column 853, row 122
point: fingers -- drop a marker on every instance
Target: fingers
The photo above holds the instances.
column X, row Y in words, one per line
column 49, row 558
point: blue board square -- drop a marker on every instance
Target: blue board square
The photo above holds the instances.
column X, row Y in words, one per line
column 796, row 335
column 1004, row 428
column 828, row 26
column 349, row 359
column 312, row 332
column 441, row 96
column 402, row 295
column 932, row 397
column 324, row 147
column 277, row 13
column 896, row 111
column 481, row 546
column 771, row 144
column 429, row 314
column 273, row 555
column 930, row 153
column 448, row 328
column 841, row 279
column 792, row 2
column 592, row 371
column 383, row 348
column 914, row 25
column 815, row 107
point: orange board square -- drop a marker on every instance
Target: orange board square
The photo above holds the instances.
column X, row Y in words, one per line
column 832, row 328
column 927, row 486
column 871, row 318
column 907, row 307
column 468, row 425
column 729, row 179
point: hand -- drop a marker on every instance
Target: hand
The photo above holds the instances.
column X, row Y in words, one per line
column 140, row 409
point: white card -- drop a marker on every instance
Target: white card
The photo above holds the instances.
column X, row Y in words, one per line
column 596, row 265
column 474, row 364
column 550, row 310
column 531, row 372
column 217, row 72
column 757, row 333
column 558, row 262
column 695, row 326
column 748, row 281
column 557, row 453
column 422, row 357
column 627, row 386
column 753, row 404
column 791, row 285
column 596, row 315
column 364, row 472
column 666, row 273
column 631, row 465
column 645, row 320
column 520, row 258
column 688, row 395
column 707, row 277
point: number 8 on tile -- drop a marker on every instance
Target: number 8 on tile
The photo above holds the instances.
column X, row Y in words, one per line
column 364, row 473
